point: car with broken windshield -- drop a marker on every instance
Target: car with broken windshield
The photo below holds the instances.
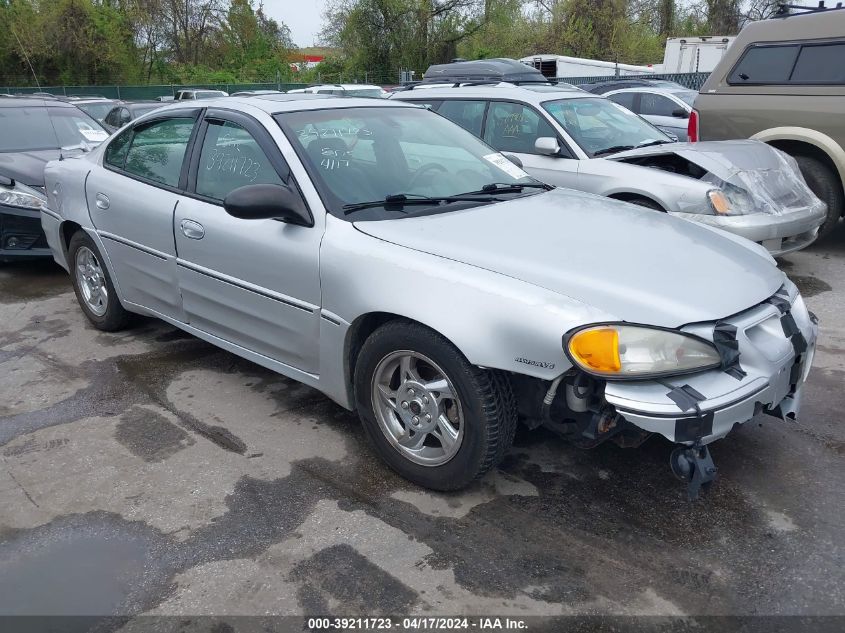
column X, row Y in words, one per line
column 34, row 131
column 381, row 254
column 571, row 138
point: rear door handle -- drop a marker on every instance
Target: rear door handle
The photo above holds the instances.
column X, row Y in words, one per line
column 103, row 201
column 192, row 230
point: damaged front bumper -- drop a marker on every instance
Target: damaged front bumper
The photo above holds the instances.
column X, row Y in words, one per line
column 21, row 235
column 779, row 234
column 772, row 347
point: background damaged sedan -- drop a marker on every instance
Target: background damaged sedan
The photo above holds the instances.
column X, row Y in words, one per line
column 33, row 132
column 571, row 138
column 384, row 256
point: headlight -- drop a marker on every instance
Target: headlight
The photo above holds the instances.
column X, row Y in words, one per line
column 719, row 201
column 21, row 199
column 634, row 351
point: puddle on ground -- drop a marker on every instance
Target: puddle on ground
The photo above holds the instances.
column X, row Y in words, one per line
column 78, row 574
column 28, row 280
column 810, row 286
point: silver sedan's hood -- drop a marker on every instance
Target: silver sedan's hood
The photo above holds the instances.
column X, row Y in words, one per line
column 723, row 159
column 635, row 264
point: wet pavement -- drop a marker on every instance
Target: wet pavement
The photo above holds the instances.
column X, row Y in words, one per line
column 147, row 472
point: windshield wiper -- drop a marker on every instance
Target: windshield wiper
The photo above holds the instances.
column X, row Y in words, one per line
column 650, row 143
column 399, row 200
column 507, row 187
column 612, row 150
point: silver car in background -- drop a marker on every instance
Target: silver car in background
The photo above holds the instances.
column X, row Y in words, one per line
column 381, row 254
column 572, row 138
column 665, row 108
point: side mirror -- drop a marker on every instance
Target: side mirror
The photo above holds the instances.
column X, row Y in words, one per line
column 547, row 146
column 265, row 202
column 680, row 113
column 5, row 181
column 513, row 158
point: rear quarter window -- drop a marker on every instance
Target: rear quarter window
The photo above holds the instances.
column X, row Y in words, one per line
column 821, row 64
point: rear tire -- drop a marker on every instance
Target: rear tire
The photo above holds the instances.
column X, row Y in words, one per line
column 826, row 185
column 478, row 403
column 93, row 285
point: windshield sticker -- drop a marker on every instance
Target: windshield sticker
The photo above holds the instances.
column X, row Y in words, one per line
column 96, row 136
column 505, row 165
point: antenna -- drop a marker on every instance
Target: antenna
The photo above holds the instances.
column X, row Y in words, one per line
column 26, row 57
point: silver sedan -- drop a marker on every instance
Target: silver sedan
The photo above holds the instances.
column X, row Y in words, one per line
column 390, row 259
column 572, row 138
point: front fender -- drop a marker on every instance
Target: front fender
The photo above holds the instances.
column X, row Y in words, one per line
column 812, row 137
column 496, row 321
column 673, row 192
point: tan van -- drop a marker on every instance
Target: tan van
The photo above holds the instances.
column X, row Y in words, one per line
column 783, row 82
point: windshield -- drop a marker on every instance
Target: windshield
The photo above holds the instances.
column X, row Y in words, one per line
column 598, row 125
column 364, row 92
column 35, row 128
column 358, row 155
column 96, row 110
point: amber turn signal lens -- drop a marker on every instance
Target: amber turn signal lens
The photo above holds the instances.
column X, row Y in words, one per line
column 720, row 202
column 597, row 348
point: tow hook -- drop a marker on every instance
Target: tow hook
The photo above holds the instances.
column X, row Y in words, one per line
column 695, row 466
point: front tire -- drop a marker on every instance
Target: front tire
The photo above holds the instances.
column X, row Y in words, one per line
column 826, row 185
column 437, row 420
column 93, row 285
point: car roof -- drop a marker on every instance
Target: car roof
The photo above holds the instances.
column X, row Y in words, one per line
column 532, row 93
column 285, row 102
column 34, row 102
column 601, row 87
column 808, row 24
column 140, row 104
column 657, row 89
column 86, row 100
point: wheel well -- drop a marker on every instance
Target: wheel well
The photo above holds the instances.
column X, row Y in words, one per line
column 630, row 197
column 359, row 331
column 68, row 229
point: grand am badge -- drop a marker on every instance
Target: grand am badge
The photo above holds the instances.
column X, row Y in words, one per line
column 535, row 363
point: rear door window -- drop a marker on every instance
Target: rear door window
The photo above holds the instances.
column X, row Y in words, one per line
column 656, row 105
column 625, row 99
column 158, row 150
column 468, row 114
column 515, row 127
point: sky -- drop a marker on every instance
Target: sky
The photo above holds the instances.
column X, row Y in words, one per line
column 303, row 17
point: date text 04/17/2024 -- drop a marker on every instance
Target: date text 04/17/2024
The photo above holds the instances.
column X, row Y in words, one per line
column 419, row 623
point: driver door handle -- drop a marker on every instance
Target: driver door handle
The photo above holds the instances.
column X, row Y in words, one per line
column 102, row 201
column 192, row 230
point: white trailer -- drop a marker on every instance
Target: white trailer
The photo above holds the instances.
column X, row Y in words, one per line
column 694, row 54
column 563, row 66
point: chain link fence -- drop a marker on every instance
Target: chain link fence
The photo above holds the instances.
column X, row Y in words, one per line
column 693, row 81
column 140, row 93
